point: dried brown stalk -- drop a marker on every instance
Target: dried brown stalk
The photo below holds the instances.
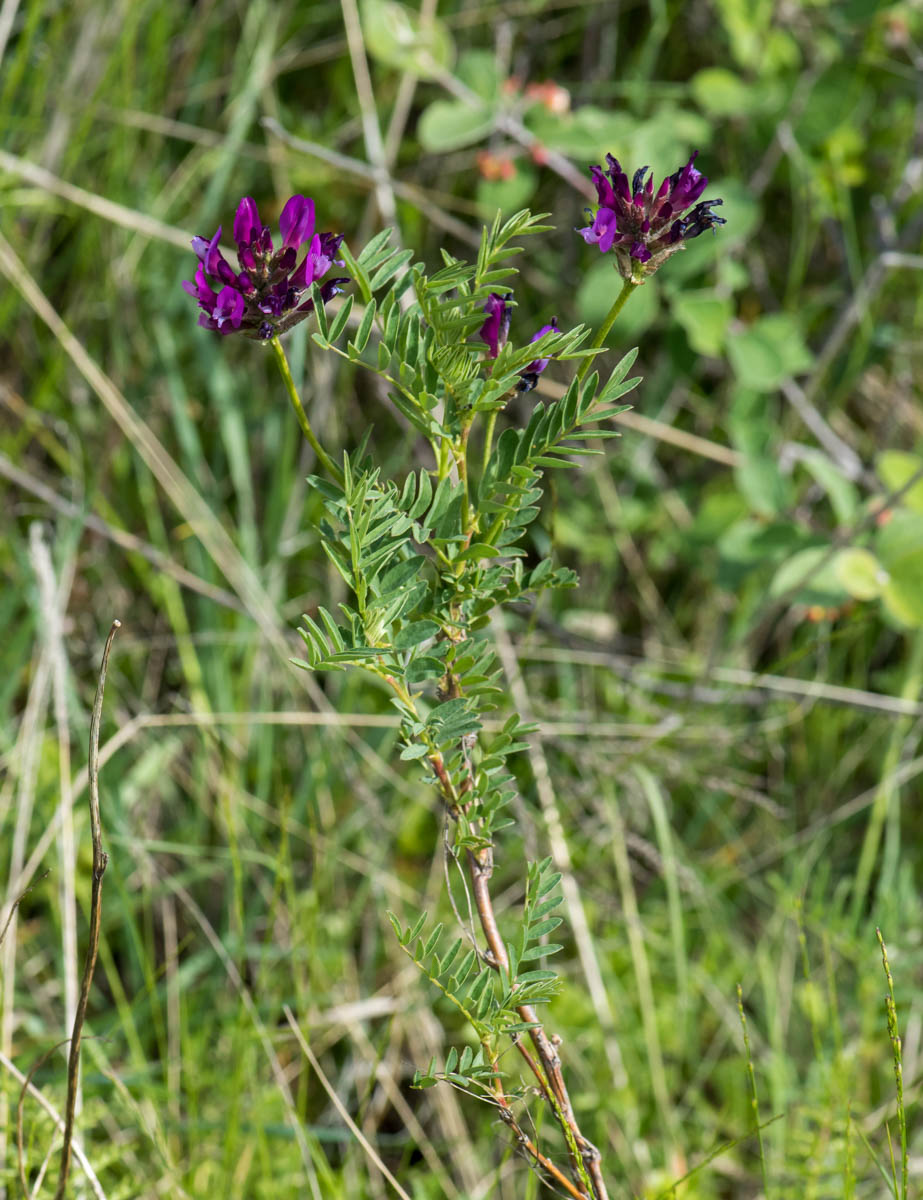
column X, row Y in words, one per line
column 100, row 862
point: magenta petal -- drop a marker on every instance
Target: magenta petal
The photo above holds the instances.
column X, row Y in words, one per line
column 603, row 187
column 247, row 224
column 297, row 221
column 229, row 308
column 496, row 327
column 212, row 256
column 605, row 229
column 200, row 289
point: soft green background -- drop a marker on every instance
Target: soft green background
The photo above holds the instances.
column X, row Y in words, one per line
column 730, row 705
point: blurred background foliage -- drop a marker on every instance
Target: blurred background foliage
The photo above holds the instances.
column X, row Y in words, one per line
column 729, row 706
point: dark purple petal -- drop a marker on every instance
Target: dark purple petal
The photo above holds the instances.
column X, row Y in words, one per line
column 702, row 218
column 686, row 185
column 640, row 252
column 637, row 183
column 213, row 260
column 619, row 179
column 603, row 187
column 329, row 244
column 247, row 223
column 537, row 365
column 297, row 221
column 332, row 288
column 285, row 260
column 496, row 328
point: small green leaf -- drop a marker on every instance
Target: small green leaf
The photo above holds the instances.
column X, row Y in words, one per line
column 768, row 352
column 432, row 941
column 339, row 321
column 414, row 751
column 415, row 633
column 704, row 317
column 365, row 326
column 424, row 668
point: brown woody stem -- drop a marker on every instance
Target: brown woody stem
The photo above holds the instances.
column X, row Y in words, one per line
column 584, row 1155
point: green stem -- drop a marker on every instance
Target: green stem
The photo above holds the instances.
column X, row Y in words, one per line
column 322, row 456
column 488, row 439
column 627, row 288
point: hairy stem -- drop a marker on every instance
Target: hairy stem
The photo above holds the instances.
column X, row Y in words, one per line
column 322, row 456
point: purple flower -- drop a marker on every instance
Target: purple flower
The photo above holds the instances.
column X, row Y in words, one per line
column 496, row 328
column 644, row 228
column 495, row 332
column 267, row 296
column 528, row 377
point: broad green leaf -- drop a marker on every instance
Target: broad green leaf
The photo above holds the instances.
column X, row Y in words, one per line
column 895, row 469
column 767, row 353
column 844, row 498
column 903, row 593
column 478, row 70
column 811, row 573
column 396, row 35
column 860, row 573
column 704, row 317
column 721, row 93
column 450, row 124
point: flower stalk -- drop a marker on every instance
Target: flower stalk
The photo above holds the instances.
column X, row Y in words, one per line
column 322, row 456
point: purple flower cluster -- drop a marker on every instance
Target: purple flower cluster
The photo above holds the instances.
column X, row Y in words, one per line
column 267, row 296
column 641, row 227
column 495, row 331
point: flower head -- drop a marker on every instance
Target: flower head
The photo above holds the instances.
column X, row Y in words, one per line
column 496, row 327
column 267, row 295
column 643, row 227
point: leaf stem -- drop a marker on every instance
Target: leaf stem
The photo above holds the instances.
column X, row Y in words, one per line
column 627, row 288
column 322, row 456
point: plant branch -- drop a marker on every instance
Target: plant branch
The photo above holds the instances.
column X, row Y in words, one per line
column 100, row 862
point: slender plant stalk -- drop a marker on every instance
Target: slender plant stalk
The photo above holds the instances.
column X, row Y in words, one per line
column 627, row 288
column 322, row 456
column 100, row 862
column 754, row 1097
column 895, row 1037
